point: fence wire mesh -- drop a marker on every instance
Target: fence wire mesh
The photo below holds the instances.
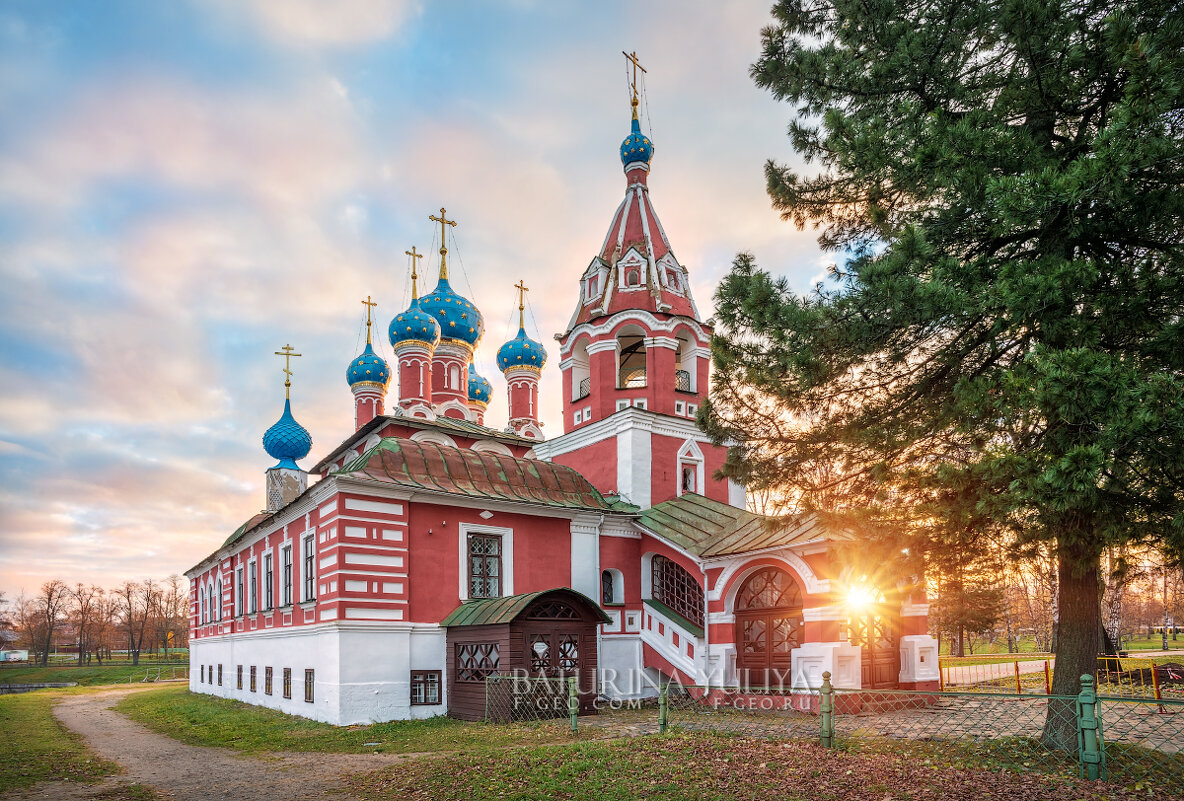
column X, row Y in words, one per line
column 526, row 698
column 982, row 730
column 1143, row 741
column 754, row 713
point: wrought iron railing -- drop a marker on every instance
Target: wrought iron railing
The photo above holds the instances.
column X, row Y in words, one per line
column 632, row 379
column 584, row 389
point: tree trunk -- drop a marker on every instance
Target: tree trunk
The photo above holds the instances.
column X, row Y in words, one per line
column 1078, row 633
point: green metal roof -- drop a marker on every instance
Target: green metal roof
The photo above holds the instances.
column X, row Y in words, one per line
column 705, row 527
column 476, row 474
column 491, row 611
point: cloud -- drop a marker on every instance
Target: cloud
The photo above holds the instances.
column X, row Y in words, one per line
column 320, row 24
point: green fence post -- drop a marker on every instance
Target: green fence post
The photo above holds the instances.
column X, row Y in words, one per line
column 1089, row 746
column 663, row 708
column 573, row 702
column 826, row 712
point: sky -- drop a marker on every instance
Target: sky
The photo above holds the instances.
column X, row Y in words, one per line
column 187, row 186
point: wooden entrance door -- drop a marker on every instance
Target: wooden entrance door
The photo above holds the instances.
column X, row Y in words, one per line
column 875, row 632
column 768, row 628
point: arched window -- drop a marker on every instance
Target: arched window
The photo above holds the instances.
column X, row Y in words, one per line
column 768, row 627
column 631, row 358
column 674, row 586
column 454, row 377
column 632, row 278
column 612, row 587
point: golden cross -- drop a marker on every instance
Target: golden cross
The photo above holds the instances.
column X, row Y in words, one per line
column 443, row 249
column 369, row 304
column 287, row 352
column 415, row 257
column 636, row 66
column 522, row 290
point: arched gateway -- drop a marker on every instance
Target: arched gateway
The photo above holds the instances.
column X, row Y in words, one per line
column 768, row 627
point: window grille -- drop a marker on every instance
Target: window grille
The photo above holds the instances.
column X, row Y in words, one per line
column 425, row 687
column 682, row 380
column 240, row 677
column 308, row 685
column 253, row 685
column 485, row 566
column 287, row 682
column 475, row 661
column 254, row 569
column 219, row 675
column 607, row 592
column 309, row 578
column 287, row 575
column 268, row 583
column 675, row 587
column 267, row 675
column 203, row 674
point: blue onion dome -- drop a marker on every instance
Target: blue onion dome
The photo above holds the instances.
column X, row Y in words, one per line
column 458, row 318
column 368, row 367
column 414, row 325
column 521, row 351
column 479, row 388
column 636, row 147
column 287, row 440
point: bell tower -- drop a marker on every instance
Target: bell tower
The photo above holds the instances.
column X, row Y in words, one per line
column 635, row 356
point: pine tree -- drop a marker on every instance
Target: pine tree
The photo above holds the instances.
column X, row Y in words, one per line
column 1006, row 181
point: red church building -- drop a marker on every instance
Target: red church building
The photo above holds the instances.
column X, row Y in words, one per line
column 429, row 552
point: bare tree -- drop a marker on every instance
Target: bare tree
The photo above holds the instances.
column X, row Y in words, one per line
column 49, row 608
column 138, row 602
column 7, row 625
column 85, row 602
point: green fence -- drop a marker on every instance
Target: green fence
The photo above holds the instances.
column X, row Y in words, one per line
column 531, row 698
column 1129, row 741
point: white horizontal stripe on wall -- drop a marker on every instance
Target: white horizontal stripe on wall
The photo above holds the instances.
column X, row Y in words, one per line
column 373, row 559
column 374, row 614
column 374, row 506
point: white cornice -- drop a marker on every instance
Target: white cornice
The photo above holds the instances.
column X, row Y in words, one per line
column 618, row 422
column 635, row 315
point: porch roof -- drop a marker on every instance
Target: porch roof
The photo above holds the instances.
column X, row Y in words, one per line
column 491, row 611
column 709, row 528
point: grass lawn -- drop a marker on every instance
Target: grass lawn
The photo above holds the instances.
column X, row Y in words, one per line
column 84, row 676
column 208, row 721
column 681, row 767
column 37, row 747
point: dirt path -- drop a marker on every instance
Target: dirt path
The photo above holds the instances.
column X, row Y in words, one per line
column 192, row 773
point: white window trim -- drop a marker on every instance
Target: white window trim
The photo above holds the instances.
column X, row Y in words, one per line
column 286, row 546
column 618, row 584
column 240, row 587
column 507, row 534
column 306, row 585
column 690, row 453
column 253, row 586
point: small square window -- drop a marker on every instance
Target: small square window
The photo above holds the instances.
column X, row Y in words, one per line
column 267, row 681
column 639, row 403
column 622, row 404
column 587, row 414
column 287, row 682
column 425, row 687
column 309, row 681
column 679, row 407
column 579, row 417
